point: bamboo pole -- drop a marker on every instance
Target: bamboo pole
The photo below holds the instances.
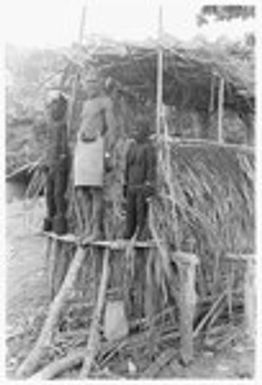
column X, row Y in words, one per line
column 82, row 25
column 51, row 266
column 204, row 142
column 250, row 298
column 212, row 94
column 76, row 77
column 55, row 368
column 220, row 109
column 209, row 314
column 159, row 72
column 93, row 340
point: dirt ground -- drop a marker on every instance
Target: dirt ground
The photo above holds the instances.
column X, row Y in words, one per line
column 27, row 304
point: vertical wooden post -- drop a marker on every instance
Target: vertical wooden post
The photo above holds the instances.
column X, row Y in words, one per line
column 187, row 302
column 93, row 340
column 51, row 268
column 212, row 94
column 150, row 292
column 230, row 282
column 76, row 77
column 250, row 297
column 82, row 25
column 220, row 109
column 159, row 73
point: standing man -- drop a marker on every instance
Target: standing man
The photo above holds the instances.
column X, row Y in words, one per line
column 56, row 164
column 95, row 138
column 140, row 179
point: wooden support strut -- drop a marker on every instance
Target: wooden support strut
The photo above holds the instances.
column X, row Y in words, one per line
column 220, row 109
column 250, row 299
column 93, row 340
column 31, row 362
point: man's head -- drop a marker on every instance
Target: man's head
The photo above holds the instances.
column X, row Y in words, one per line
column 109, row 85
column 92, row 85
column 142, row 130
column 57, row 105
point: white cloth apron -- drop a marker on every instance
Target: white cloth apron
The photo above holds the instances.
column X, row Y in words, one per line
column 89, row 163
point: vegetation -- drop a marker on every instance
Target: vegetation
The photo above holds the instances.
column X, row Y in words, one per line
column 225, row 13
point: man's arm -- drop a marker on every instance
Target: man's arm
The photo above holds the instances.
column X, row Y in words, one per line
column 82, row 134
column 129, row 158
column 110, row 123
column 151, row 165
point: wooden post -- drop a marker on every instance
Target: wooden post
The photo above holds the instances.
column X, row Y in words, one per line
column 187, row 302
column 212, row 94
column 150, row 303
column 49, row 262
column 250, row 297
column 51, row 267
column 76, row 77
column 93, row 340
column 82, row 25
column 249, row 290
column 220, row 109
column 159, row 73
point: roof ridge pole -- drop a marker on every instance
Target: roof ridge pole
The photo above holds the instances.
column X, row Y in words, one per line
column 220, row 109
column 159, row 109
column 76, row 75
column 82, row 24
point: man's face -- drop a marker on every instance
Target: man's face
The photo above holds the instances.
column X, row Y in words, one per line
column 57, row 108
column 141, row 134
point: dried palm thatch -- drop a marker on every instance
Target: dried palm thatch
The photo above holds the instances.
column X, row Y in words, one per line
column 205, row 203
column 188, row 70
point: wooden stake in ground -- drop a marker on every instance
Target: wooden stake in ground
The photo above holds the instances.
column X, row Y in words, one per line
column 250, row 297
column 220, row 109
column 32, row 360
column 93, row 340
column 187, row 302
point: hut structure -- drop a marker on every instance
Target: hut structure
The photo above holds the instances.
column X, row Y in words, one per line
column 203, row 211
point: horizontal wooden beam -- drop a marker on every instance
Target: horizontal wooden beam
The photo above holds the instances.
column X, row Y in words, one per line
column 240, row 257
column 118, row 244
column 205, row 142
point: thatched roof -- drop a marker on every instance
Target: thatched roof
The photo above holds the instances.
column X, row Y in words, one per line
column 188, row 70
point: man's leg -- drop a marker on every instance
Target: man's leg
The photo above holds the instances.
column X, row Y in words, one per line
column 97, row 212
column 141, row 213
column 130, row 214
column 50, row 203
column 60, row 180
column 84, row 205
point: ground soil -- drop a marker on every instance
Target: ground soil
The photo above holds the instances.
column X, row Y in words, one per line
column 27, row 304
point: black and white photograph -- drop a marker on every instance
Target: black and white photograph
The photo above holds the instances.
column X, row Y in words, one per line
column 130, row 190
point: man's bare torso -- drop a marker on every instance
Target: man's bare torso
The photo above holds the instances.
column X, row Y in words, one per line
column 97, row 117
